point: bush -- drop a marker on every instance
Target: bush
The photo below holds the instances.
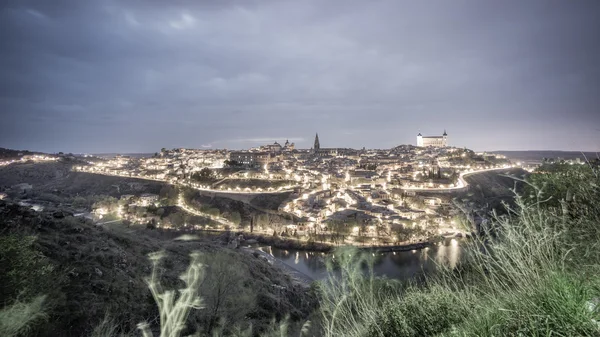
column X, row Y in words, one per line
column 18, row 318
column 420, row 312
column 22, row 268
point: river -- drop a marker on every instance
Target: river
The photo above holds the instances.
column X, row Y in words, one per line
column 409, row 265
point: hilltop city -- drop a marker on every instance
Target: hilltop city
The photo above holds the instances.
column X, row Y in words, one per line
column 373, row 197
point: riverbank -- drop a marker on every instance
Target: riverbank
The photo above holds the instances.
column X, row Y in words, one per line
column 296, row 276
column 293, row 244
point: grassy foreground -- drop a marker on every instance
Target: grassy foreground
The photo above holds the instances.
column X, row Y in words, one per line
column 533, row 273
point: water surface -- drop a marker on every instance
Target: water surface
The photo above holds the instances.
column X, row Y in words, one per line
column 409, row 265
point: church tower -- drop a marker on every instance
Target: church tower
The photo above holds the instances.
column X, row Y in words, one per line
column 445, row 139
column 317, row 145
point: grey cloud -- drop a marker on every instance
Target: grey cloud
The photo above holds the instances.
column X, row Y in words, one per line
column 361, row 73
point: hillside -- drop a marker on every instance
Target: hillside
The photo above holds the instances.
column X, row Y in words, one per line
column 15, row 154
column 494, row 185
column 91, row 271
column 538, row 156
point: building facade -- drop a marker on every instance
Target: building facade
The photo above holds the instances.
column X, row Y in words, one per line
column 435, row 141
column 333, row 151
column 250, row 158
column 288, row 146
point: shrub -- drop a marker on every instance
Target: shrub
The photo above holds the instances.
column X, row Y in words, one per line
column 18, row 318
column 22, row 267
column 174, row 310
column 420, row 312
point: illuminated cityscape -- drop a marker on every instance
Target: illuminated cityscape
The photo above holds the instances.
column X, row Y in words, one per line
column 371, row 195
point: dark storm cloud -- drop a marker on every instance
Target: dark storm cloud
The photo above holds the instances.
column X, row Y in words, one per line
column 134, row 75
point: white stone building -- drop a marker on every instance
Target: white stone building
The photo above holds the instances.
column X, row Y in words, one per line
column 435, row 141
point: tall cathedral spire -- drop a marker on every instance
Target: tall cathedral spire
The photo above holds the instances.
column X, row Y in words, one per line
column 317, row 145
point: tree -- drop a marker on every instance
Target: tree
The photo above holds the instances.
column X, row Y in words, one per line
column 110, row 204
column 402, row 233
column 454, row 177
column 236, row 218
column 232, row 163
column 177, row 219
column 262, row 220
column 169, row 193
column 213, row 212
column 339, row 230
column 225, row 291
column 204, row 175
column 80, row 202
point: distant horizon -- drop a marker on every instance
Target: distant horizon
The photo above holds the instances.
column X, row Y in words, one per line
column 242, row 149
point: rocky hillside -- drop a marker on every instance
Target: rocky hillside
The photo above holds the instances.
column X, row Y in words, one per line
column 89, row 272
column 495, row 185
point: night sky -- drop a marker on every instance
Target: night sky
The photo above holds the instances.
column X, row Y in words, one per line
column 89, row 76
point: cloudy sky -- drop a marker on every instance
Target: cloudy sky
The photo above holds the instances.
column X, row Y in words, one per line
column 138, row 75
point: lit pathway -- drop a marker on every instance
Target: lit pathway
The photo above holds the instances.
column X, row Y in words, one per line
column 181, row 203
column 191, row 185
column 462, row 183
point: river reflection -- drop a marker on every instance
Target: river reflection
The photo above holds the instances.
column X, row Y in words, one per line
column 396, row 265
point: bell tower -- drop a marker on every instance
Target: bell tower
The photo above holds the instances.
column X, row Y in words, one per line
column 317, row 144
column 445, row 139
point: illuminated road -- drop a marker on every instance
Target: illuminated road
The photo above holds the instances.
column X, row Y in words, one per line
column 462, row 183
column 191, row 185
column 181, row 203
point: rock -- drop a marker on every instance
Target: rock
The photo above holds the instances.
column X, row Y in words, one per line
column 98, row 272
column 250, row 241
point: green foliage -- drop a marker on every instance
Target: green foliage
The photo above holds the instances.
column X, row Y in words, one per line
column 558, row 182
column 232, row 163
column 22, row 267
column 177, row 219
column 403, row 233
column 235, row 217
column 557, row 305
column 213, row 211
column 18, row 318
column 80, row 202
column 420, row 312
column 204, row 176
column 339, row 230
column 168, row 194
column 110, row 204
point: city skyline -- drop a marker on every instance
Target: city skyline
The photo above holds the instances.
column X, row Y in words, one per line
column 130, row 76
